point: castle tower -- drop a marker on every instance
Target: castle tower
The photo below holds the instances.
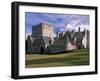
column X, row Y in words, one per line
column 42, row 29
column 37, row 31
column 44, row 34
column 85, row 41
column 47, row 30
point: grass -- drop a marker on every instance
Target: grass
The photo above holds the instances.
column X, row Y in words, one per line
column 74, row 58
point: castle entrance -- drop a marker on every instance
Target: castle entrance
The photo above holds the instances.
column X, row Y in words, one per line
column 42, row 50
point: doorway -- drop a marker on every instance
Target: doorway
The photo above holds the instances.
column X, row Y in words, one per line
column 42, row 50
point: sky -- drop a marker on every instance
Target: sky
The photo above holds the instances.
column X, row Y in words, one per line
column 60, row 22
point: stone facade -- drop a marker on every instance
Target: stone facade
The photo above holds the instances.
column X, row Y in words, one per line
column 42, row 40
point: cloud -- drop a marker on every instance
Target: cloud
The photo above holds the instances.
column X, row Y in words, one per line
column 80, row 19
column 27, row 34
column 62, row 29
column 76, row 21
column 70, row 27
column 60, row 22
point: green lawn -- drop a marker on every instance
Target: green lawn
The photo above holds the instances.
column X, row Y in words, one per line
column 74, row 58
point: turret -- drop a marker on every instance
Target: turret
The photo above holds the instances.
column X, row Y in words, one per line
column 79, row 29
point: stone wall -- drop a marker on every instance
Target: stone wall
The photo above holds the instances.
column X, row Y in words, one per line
column 38, row 42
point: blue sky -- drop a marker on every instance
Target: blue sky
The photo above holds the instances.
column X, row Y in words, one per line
column 60, row 22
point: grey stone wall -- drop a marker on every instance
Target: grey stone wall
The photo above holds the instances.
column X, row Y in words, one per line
column 38, row 42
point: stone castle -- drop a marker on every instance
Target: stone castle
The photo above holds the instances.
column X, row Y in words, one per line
column 42, row 41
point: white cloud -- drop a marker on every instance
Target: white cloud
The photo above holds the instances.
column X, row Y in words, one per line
column 27, row 34
column 70, row 27
column 62, row 29
column 84, row 27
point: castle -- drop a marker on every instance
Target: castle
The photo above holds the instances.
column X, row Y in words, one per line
column 42, row 41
